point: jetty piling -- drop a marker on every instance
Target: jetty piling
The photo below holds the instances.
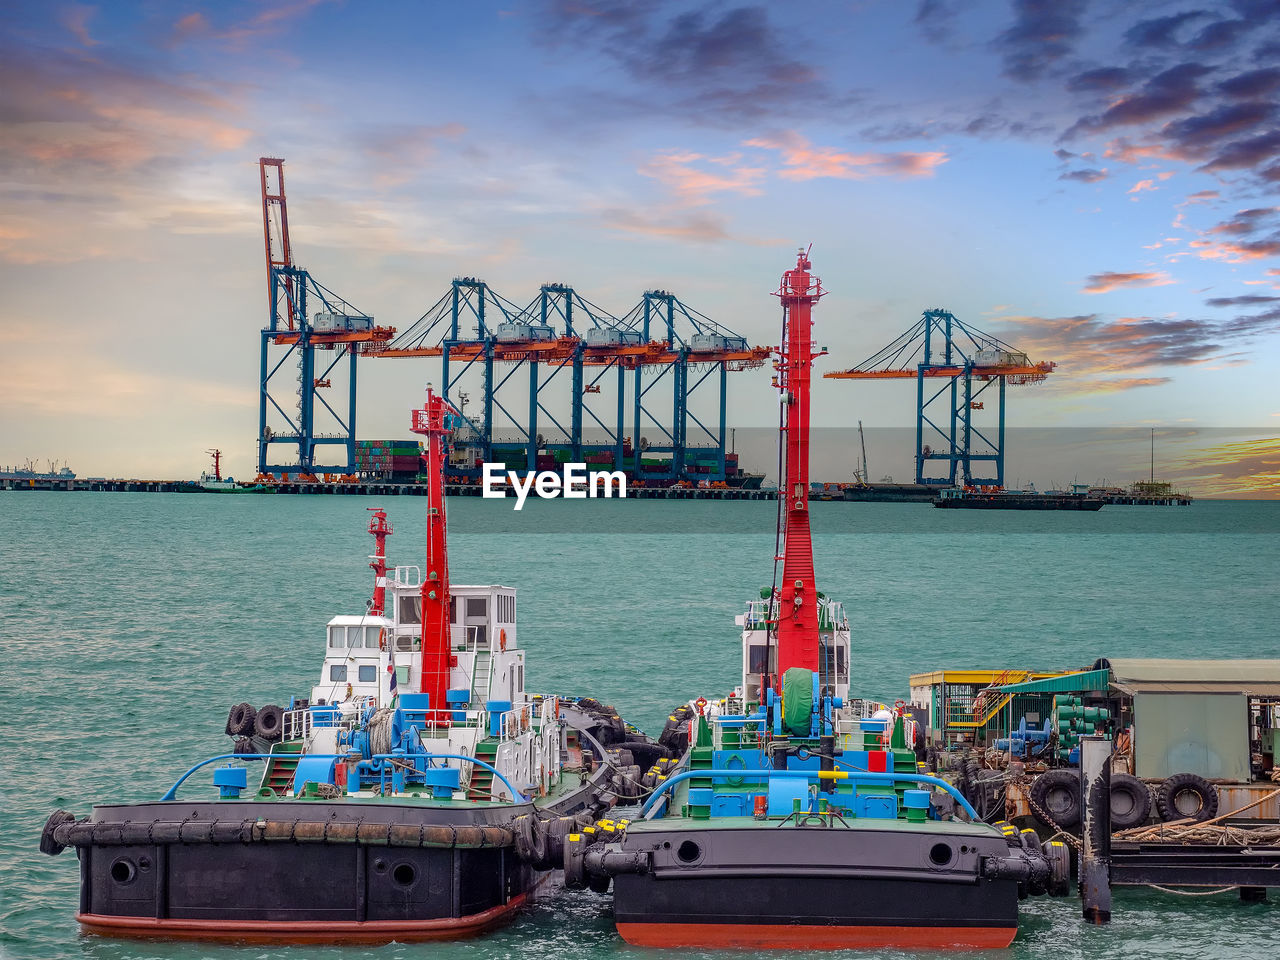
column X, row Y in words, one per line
column 1095, row 846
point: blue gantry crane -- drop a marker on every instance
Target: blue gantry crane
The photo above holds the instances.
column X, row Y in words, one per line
column 560, row 338
column 968, row 362
column 322, row 334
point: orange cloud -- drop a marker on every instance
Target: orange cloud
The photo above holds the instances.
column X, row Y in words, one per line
column 677, row 171
column 1232, row 251
column 1248, row 469
column 1116, row 385
column 1108, row 281
column 806, row 162
column 700, row 227
column 1142, row 185
column 76, row 19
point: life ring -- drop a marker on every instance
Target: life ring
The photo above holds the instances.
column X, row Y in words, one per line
column 502, row 640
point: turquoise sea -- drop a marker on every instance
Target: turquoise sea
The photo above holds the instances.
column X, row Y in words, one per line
column 131, row 622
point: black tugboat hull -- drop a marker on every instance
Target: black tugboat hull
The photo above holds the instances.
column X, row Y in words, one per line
column 780, row 888
column 305, row 871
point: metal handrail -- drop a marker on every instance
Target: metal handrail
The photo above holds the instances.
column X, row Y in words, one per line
column 400, row 758
column 813, row 775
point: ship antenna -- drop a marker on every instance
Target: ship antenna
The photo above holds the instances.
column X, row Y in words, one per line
column 380, row 529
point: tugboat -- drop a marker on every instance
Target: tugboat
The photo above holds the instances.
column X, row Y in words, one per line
column 795, row 819
column 212, row 481
column 418, row 793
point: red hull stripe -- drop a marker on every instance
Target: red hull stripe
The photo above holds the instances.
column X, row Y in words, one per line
column 300, row 931
column 813, row 937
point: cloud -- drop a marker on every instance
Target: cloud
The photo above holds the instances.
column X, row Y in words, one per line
column 401, row 153
column 1168, row 92
column 935, row 20
column 1200, row 196
column 1108, row 281
column 1086, row 175
column 1101, row 79
column 1252, row 83
column 1142, row 185
column 699, row 227
column 1161, row 31
column 1194, row 136
column 725, row 67
column 1244, row 229
column 1244, row 301
column 1091, row 345
column 1246, row 153
column 694, row 185
column 1117, row 384
column 76, row 19
column 1043, row 32
column 270, row 20
column 803, row 161
column 1218, row 35
column 1247, row 469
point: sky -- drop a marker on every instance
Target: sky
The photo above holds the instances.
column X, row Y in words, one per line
column 1095, row 183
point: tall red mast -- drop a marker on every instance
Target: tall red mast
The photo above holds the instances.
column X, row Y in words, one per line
column 435, row 584
column 275, row 231
column 380, row 529
column 797, row 629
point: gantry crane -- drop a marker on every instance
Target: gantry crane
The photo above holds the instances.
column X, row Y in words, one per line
column 305, row 317
column 472, row 328
column 968, row 362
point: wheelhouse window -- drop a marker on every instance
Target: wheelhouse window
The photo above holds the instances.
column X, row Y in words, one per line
column 338, row 672
column 337, row 637
column 409, row 609
column 477, row 607
column 368, row 673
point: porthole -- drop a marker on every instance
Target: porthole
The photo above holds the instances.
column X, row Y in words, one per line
column 940, row 854
column 404, row 874
column 123, row 871
column 689, row 852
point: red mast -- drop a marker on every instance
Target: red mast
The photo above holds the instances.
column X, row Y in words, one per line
column 435, row 585
column 380, row 529
column 797, row 630
column 217, row 463
column 275, row 230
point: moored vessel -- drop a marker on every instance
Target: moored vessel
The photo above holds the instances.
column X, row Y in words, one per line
column 798, row 817
column 419, row 792
column 967, row 498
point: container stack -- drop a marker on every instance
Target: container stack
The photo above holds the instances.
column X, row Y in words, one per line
column 395, row 460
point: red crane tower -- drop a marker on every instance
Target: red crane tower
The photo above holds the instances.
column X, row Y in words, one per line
column 430, row 421
column 797, row 626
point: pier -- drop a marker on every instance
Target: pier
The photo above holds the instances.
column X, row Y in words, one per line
column 358, row 488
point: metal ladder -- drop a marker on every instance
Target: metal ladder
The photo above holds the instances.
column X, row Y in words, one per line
column 480, row 678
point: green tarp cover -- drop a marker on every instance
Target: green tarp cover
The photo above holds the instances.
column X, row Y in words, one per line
column 797, row 700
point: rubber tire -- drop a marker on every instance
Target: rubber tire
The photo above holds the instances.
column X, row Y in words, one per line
column 647, row 754
column 1064, row 787
column 1135, row 801
column 269, row 722
column 240, row 720
column 1181, row 783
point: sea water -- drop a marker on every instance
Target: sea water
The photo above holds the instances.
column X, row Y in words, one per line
column 132, row 622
